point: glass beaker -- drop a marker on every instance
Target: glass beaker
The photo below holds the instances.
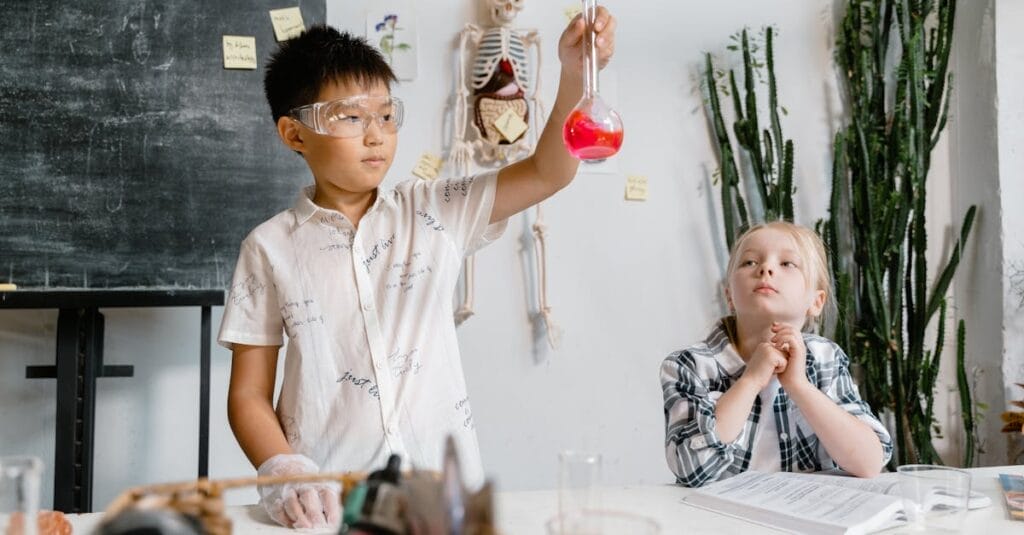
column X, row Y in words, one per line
column 579, row 480
column 592, row 131
column 19, row 494
column 935, row 497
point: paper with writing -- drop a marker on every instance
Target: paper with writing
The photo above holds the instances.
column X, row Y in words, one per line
column 287, row 23
column 510, row 125
column 636, row 188
column 428, row 166
column 805, row 505
column 239, row 52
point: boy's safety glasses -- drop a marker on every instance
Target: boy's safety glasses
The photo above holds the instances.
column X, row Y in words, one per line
column 351, row 116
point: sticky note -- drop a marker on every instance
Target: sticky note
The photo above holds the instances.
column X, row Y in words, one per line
column 239, row 52
column 427, row 167
column 636, row 188
column 5, row 287
column 571, row 12
column 287, row 23
column 510, row 125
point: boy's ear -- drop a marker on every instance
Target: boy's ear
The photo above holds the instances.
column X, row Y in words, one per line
column 290, row 133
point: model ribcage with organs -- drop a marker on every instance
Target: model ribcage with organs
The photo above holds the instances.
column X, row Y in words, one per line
column 500, row 79
column 500, row 82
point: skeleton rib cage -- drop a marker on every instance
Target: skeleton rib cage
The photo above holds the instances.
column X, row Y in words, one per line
column 498, row 44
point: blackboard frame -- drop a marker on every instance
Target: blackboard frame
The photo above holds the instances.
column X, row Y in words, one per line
column 129, row 156
column 79, row 362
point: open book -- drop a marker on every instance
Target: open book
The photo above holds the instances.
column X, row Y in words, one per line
column 811, row 503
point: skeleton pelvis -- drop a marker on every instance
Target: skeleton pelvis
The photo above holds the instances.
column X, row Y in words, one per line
column 488, row 107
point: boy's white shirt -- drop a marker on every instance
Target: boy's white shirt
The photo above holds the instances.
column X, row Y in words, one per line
column 372, row 365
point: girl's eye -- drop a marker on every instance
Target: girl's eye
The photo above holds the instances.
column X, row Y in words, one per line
column 747, row 263
column 788, row 263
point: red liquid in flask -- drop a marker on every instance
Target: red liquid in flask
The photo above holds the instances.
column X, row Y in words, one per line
column 587, row 139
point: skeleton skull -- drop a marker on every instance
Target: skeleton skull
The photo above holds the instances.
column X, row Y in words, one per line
column 504, row 11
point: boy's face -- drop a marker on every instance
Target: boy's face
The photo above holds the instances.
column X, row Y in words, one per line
column 344, row 165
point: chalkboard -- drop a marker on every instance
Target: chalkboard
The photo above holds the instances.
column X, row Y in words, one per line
column 129, row 157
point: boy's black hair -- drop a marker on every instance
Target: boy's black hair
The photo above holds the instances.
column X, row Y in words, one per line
column 303, row 65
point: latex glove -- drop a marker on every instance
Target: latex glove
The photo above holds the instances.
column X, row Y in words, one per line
column 299, row 505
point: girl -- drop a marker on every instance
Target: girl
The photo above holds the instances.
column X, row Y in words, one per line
column 759, row 394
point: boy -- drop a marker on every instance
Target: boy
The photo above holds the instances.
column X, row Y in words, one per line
column 362, row 280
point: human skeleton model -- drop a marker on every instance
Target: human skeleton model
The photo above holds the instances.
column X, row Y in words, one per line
column 499, row 82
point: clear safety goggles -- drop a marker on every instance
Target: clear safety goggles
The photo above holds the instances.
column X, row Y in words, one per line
column 351, row 116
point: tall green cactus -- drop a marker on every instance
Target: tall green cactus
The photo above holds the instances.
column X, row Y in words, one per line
column 876, row 227
column 770, row 154
column 898, row 106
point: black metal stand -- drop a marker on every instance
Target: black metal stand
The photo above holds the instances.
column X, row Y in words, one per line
column 79, row 362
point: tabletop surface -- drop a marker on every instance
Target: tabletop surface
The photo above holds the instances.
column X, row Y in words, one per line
column 525, row 512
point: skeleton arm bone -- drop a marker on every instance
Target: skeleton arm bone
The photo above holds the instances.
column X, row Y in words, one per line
column 461, row 154
column 461, row 150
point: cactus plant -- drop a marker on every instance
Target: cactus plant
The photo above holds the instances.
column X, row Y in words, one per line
column 894, row 58
column 769, row 153
column 898, row 107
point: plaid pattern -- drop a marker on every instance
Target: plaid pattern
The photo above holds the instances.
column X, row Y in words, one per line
column 693, row 379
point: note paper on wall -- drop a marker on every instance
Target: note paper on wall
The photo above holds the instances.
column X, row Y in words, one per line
column 509, row 125
column 287, row 23
column 636, row 188
column 428, row 166
column 239, row 52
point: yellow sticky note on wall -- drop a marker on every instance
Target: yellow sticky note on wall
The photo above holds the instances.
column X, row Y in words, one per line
column 427, row 167
column 571, row 12
column 510, row 125
column 636, row 188
column 287, row 23
column 239, row 52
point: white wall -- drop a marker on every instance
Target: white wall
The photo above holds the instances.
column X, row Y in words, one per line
column 629, row 282
column 987, row 131
column 1009, row 44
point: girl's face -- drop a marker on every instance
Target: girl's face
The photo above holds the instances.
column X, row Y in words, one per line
column 770, row 280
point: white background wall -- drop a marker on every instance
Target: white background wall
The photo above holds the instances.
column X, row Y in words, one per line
column 1010, row 53
column 976, row 180
column 629, row 282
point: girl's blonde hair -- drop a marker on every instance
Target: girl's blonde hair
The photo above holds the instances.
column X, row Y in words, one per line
column 815, row 259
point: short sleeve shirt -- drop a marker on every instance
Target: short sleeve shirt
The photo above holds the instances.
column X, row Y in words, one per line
column 372, row 365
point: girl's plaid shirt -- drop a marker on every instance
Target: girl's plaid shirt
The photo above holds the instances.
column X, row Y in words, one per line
column 693, row 379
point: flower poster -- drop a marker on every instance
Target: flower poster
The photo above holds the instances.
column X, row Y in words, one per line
column 393, row 32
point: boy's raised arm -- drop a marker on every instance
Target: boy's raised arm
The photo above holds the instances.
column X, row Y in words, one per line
column 551, row 167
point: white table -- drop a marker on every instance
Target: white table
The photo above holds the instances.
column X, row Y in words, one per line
column 525, row 512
